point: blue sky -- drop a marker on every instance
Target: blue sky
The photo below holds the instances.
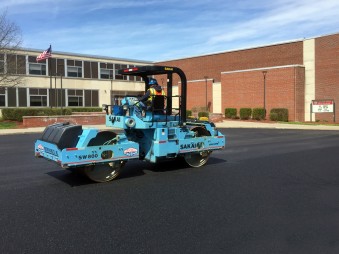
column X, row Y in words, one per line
column 157, row 30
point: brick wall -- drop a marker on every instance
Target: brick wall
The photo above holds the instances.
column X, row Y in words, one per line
column 284, row 89
column 42, row 121
column 196, row 91
column 245, row 89
column 212, row 65
column 327, row 73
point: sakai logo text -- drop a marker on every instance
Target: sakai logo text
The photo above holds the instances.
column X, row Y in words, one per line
column 197, row 145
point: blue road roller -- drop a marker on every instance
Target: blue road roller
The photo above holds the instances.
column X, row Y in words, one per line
column 161, row 132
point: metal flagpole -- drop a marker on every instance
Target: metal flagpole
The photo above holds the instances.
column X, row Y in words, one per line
column 50, row 77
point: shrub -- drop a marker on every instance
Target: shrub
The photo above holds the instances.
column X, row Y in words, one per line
column 282, row 114
column 231, row 113
column 203, row 114
column 245, row 113
column 258, row 113
column 16, row 114
column 274, row 116
column 188, row 113
column 81, row 109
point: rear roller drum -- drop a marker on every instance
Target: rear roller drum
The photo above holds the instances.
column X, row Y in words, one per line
column 198, row 159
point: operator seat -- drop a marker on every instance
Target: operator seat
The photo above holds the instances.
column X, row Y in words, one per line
column 158, row 104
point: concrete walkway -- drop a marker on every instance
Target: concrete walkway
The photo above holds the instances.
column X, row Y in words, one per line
column 224, row 124
column 250, row 124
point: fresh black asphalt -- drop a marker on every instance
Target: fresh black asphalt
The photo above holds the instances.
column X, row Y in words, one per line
column 269, row 191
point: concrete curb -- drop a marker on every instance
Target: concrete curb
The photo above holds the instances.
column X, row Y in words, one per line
column 244, row 124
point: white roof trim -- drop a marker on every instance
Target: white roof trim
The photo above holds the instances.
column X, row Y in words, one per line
column 264, row 68
column 199, row 80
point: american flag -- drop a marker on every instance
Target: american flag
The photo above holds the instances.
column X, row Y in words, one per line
column 45, row 55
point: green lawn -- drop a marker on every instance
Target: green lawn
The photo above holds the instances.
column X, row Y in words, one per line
column 7, row 125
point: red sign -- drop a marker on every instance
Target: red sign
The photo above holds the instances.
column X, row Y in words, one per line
column 322, row 102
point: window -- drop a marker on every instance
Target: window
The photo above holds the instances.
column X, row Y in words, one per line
column 106, row 74
column 2, row 97
column 2, row 63
column 118, row 67
column 35, row 68
column 117, row 96
column 106, row 71
column 75, row 98
column 74, row 68
column 74, row 72
column 8, row 97
column 38, row 97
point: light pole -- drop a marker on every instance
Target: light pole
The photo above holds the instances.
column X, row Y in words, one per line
column 55, row 91
column 61, row 92
column 264, row 74
column 111, row 98
column 206, row 77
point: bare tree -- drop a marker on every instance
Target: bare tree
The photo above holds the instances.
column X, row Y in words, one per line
column 11, row 64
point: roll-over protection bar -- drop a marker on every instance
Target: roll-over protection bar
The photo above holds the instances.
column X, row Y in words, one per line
column 150, row 70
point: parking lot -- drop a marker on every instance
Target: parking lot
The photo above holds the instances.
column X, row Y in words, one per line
column 269, row 191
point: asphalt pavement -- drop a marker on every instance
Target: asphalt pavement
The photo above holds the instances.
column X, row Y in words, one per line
column 223, row 124
column 269, row 191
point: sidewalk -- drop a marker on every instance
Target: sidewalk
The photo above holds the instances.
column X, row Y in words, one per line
column 273, row 125
column 224, row 124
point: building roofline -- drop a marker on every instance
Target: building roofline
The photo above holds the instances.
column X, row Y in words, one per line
column 176, row 59
column 233, row 50
column 38, row 51
column 247, row 48
column 264, row 68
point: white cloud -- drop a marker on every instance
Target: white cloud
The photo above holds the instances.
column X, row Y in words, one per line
column 281, row 18
column 155, row 29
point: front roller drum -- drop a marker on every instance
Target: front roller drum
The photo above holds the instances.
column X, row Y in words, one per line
column 101, row 173
column 105, row 172
column 196, row 160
